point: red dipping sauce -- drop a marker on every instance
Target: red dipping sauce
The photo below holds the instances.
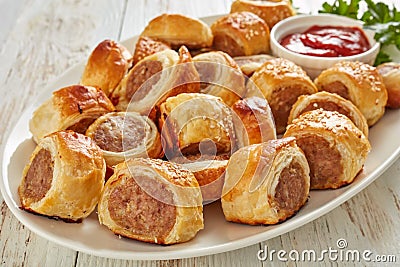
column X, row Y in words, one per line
column 327, row 41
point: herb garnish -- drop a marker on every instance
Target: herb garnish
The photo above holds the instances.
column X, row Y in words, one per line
column 379, row 17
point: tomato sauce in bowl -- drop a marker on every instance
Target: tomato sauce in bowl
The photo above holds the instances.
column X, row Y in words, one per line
column 327, row 41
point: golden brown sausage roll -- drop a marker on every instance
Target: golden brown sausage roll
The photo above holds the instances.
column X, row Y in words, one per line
column 71, row 108
column 145, row 46
column 220, row 76
column 281, row 82
column 153, row 201
column 358, row 82
column 210, row 176
column 330, row 102
column 265, row 183
column 107, row 65
column 64, row 177
column 271, row 11
column 250, row 64
column 178, row 30
column 123, row 135
column 335, row 148
column 254, row 122
column 241, row 34
column 390, row 73
column 193, row 123
column 154, row 79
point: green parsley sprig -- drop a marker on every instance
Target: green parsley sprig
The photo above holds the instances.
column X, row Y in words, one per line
column 379, row 17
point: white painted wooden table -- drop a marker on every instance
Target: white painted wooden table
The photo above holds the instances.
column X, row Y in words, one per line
column 40, row 39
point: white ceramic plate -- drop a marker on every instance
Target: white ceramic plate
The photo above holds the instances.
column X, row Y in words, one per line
column 218, row 236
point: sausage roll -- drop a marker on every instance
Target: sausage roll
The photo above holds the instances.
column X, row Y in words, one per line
column 220, row 76
column 250, row 64
column 178, row 30
column 330, row 102
column 123, row 135
column 64, row 177
column 153, row 201
column 193, row 123
column 271, row 11
column 210, row 176
column 265, row 183
column 241, row 34
column 358, row 82
column 106, row 66
column 281, row 82
column 71, row 108
column 146, row 46
column 390, row 73
column 155, row 78
column 335, row 148
column 253, row 120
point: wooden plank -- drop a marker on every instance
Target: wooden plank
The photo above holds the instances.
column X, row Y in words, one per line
column 45, row 40
column 241, row 257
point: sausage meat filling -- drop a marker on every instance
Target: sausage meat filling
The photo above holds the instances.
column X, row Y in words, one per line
column 140, row 212
column 141, row 73
column 338, row 88
column 39, row 177
column 325, row 162
column 281, row 103
column 291, row 190
column 118, row 134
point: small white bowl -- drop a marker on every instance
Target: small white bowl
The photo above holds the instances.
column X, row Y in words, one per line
column 313, row 65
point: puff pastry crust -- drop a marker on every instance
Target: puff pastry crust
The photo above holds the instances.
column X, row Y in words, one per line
column 154, row 79
column 358, row 82
column 281, row 82
column 107, row 65
column 210, row 176
column 330, row 102
column 177, row 30
column 64, row 177
column 253, row 120
column 70, row 108
column 145, row 46
column 335, row 148
column 193, row 123
column 123, row 135
column 390, row 73
column 153, row 201
column 265, row 183
column 271, row 11
column 241, row 34
column 220, row 76
column 250, row 64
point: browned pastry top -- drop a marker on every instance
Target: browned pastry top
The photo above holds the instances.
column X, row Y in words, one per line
column 146, row 46
column 286, row 69
column 272, row 11
column 107, row 65
column 244, row 22
column 81, row 147
column 328, row 120
column 173, row 172
column 363, row 74
column 79, row 98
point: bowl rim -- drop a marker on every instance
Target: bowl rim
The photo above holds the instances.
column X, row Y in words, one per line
column 280, row 25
